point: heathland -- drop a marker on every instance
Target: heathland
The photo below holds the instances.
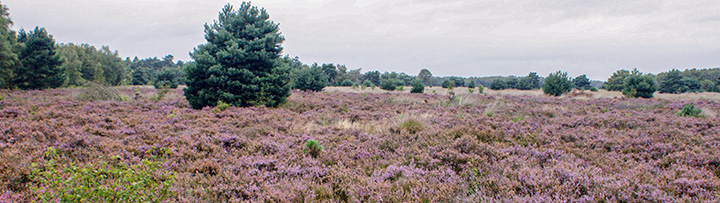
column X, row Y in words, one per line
column 365, row 145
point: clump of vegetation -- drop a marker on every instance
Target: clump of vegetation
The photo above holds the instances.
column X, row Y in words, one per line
column 411, row 126
column 96, row 92
column 640, row 85
column 480, row 89
column 220, row 107
column 310, row 79
column 689, row 110
column 313, row 148
column 103, row 182
column 160, row 94
column 417, row 87
column 388, row 84
column 557, row 84
column 243, row 74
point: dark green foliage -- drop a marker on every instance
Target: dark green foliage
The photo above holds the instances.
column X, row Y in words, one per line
column 454, row 81
column 616, row 82
column 426, row 77
column 141, row 76
column 367, row 83
column 672, row 83
column 39, row 64
column 168, row 78
column 557, row 84
column 84, row 62
column 640, row 85
column 373, row 77
column 689, row 110
column 240, row 62
column 448, row 84
column 388, row 84
column 313, row 148
column 346, row 83
column 418, row 87
column 471, row 85
column 8, row 49
column 530, row 82
column 310, row 79
column 707, row 86
column 499, row 84
column 582, row 82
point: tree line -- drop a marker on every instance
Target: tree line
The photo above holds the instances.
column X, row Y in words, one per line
column 242, row 66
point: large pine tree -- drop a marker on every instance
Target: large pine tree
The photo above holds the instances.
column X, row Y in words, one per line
column 240, row 63
column 8, row 47
column 39, row 64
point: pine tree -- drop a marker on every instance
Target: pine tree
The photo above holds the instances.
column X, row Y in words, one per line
column 240, row 63
column 557, row 83
column 39, row 64
column 582, row 82
column 8, row 48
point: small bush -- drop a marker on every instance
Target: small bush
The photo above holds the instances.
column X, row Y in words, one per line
column 313, row 148
column 160, row 94
column 557, row 84
column 96, row 92
column 594, row 89
column 220, row 107
column 417, row 87
column 388, row 84
column 103, row 182
column 689, row 110
column 480, row 89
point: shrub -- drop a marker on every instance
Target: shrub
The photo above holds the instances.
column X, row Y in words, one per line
column 96, row 92
column 499, row 84
column 557, row 84
column 310, row 78
column 689, row 110
column 103, row 182
column 220, row 107
column 480, row 89
column 594, row 89
column 417, row 87
column 240, row 62
column 639, row 85
column 449, row 84
column 367, row 83
column 313, row 148
column 616, row 81
column 160, row 94
column 346, row 83
column 168, row 78
column 388, row 84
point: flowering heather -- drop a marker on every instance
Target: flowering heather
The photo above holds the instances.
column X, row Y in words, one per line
column 377, row 147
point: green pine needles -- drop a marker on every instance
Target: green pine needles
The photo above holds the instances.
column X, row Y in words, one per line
column 240, row 63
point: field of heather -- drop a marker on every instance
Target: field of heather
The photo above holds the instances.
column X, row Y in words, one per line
column 377, row 146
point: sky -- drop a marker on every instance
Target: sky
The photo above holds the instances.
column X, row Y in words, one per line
column 448, row 37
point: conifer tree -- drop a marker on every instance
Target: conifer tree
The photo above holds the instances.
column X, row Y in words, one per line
column 240, row 63
column 39, row 64
column 8, row 48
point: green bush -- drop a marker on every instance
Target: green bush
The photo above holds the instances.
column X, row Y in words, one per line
column 638, row 84
column 310, row 79
column 480, row 89
column 313, row 148
column 689, row 110
column 103, row 182
column 347, row 83
column 220, row 107
column 388, row 84
column 417, row 87
column 557, row 84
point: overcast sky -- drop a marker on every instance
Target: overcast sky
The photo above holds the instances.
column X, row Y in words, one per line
column 464, row 38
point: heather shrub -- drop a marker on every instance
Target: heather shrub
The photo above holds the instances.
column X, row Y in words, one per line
column 689, row 110
column 313, row 148
column 102, row 182
column 417, row 87
column 96, row 92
